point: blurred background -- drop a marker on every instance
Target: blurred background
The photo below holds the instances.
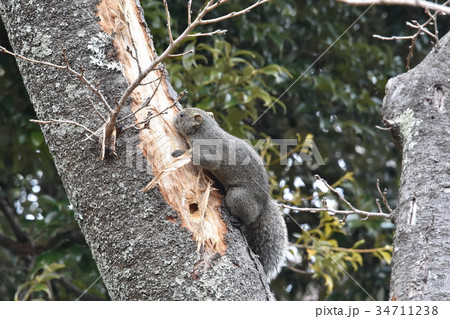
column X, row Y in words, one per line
column 332, row 110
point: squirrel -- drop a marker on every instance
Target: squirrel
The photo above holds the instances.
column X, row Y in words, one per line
column 239, row 168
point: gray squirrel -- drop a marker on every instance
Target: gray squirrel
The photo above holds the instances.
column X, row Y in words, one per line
column 239, row 168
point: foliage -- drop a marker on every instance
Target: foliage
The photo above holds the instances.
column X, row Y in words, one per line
column 334, row 102
column 326, row 260
column 219, row 75
column 39, row 282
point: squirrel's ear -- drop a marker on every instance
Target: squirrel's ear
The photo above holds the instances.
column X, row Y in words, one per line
column 210, row 114
column 198, row 119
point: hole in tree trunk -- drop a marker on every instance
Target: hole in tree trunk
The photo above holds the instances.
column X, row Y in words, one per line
column 193, row 208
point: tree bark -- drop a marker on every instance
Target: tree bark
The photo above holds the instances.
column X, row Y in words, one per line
column 416, row 106
column 158, row 245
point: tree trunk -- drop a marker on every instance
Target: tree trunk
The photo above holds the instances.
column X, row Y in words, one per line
column 416, row 106
column 161, row 245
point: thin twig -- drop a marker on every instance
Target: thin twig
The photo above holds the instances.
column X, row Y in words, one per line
column 189, row 11
column 206, row 34
column 335, row 211
column 181, row 54
column 85, row 81
column 351, row 211
column 413, row 3
column 335, row 191
column 62, row 67
column 96, row 110
column 433, row 17
column 144, row 104
column 383, row 128
column 411, row 52
column 233, row 14
column 169, row 28
column 416, row 25
column 180, row 96
column 64, row 122
column 407, row 37
column 147, row 120
column 377, row 201
column 96, row 133
column 347, row 250
column 303, row 272
column 420, row 28
column 150, row 82
column 384, row 197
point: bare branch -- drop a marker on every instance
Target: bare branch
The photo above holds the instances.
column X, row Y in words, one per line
column 63, row 67
column 96, row 110
column 85, row 81
column 64, row 122
column 384, row 196
column 180, row 96
column 189, row 11
column 232, row 14
column 406, row 37
column 335, row 191
column 70, row 287
column 434, row 23
column 421, row 29
column 181, row 54
column 335, row 211
column 416, row 3
column 147, row 120
column 96, row 133
column 303, row 272
column 150, row 82
column 351, row 211
column 206, row 34
column 169, row 28
column 18, row 56
column 144, row 104
column 348, row 250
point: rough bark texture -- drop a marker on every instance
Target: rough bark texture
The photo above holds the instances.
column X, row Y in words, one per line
column 417, row 104
column 137, row 239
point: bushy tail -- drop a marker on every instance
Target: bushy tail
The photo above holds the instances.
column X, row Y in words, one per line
column 267, row 237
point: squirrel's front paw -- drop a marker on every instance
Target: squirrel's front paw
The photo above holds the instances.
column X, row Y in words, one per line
column 177, row 153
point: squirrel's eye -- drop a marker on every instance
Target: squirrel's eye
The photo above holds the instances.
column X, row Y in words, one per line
column 181, row 114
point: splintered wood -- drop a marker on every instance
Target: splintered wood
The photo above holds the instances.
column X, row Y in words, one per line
column 185, row 189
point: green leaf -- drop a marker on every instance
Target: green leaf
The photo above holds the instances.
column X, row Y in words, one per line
column 37, row 138
column 41, row 287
